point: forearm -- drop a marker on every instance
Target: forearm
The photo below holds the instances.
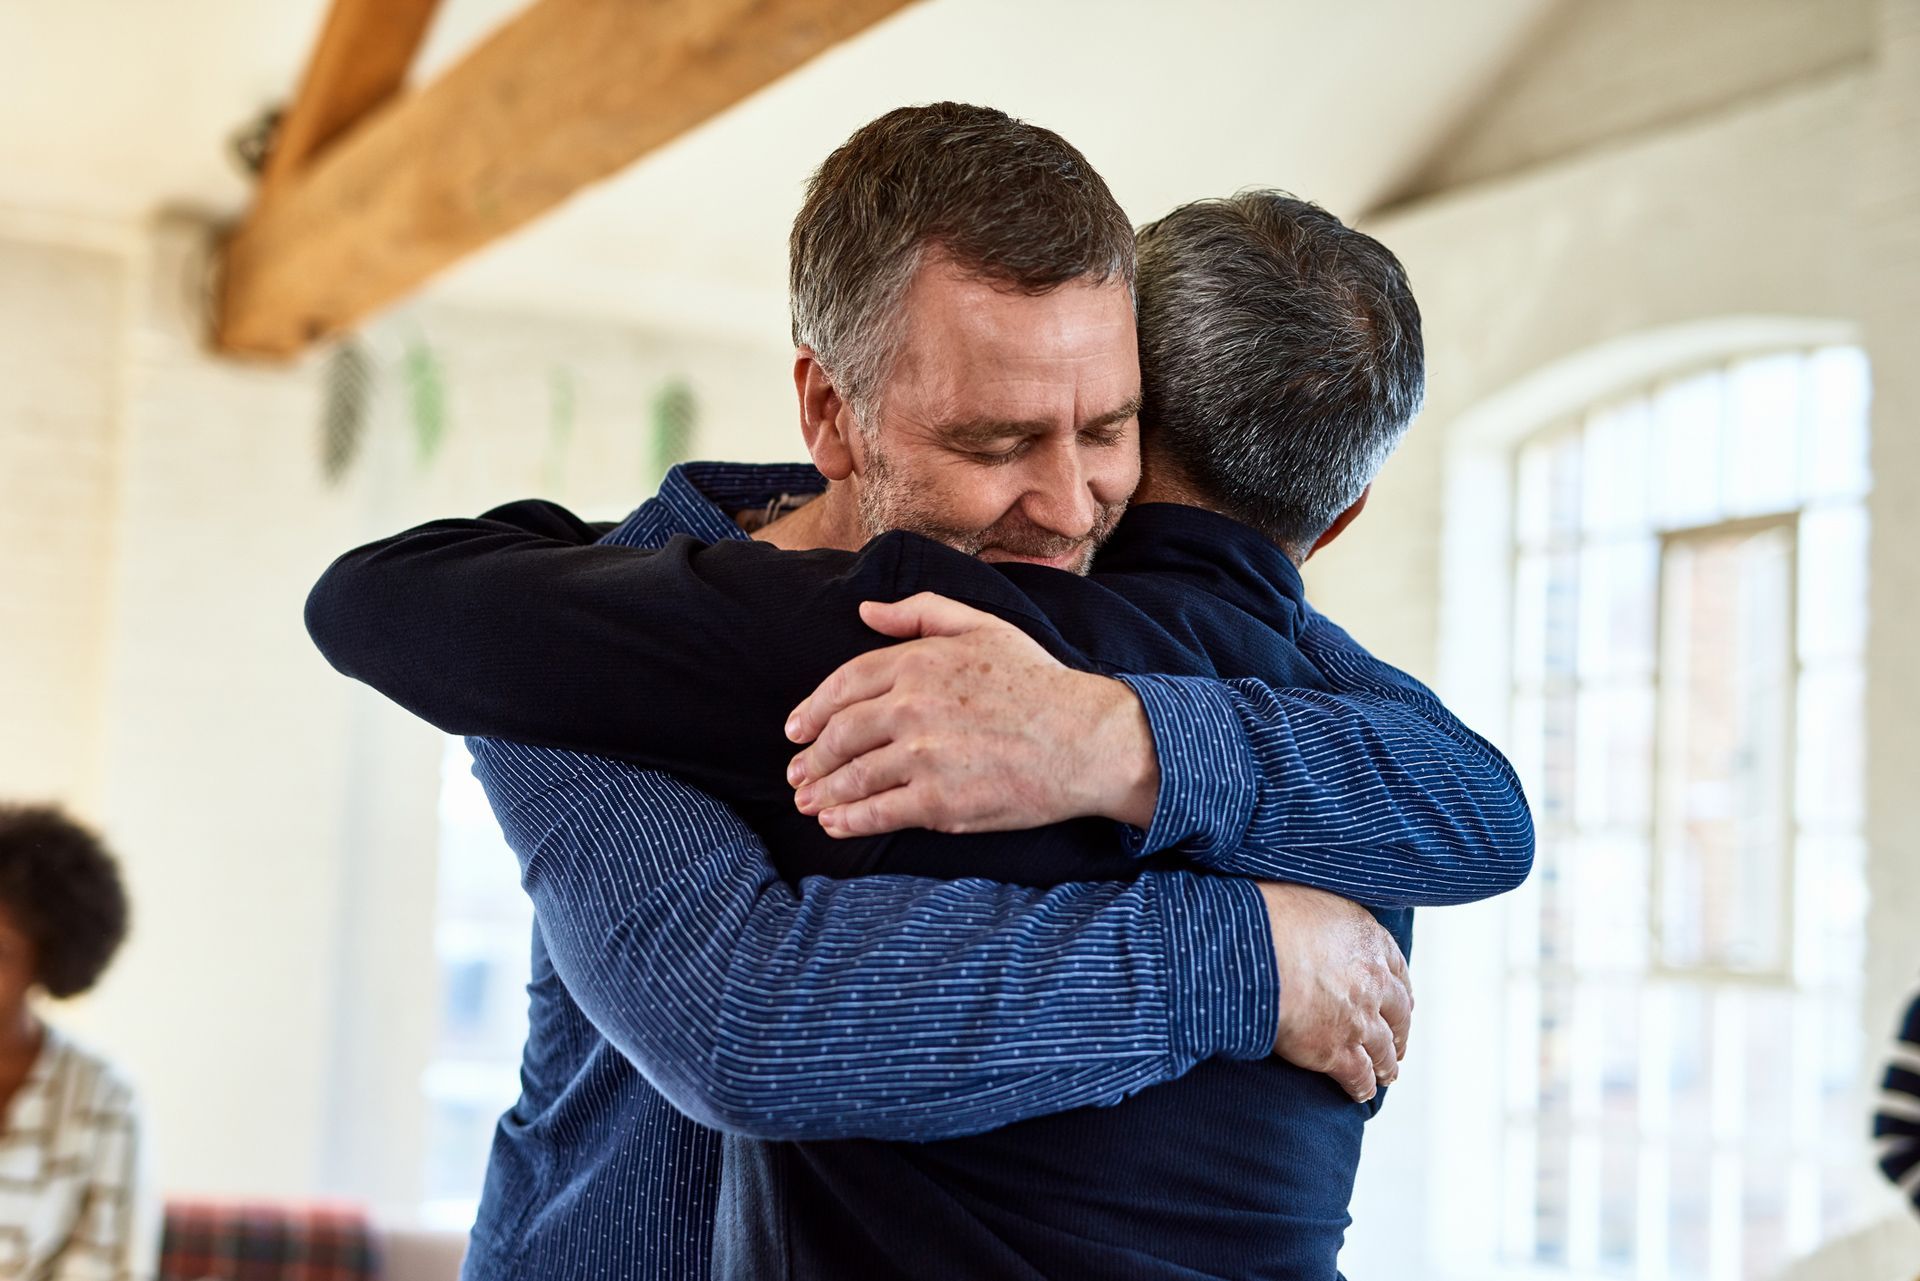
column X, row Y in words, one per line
column 441, row 619
column 1372, row 791
column 882, row 1007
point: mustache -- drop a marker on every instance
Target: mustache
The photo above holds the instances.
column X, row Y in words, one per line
column 1021, row 537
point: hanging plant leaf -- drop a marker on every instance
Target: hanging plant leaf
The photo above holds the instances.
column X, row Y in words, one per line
column 560, row 418
column 674, row 417
column 427, row 397
column 347, row 392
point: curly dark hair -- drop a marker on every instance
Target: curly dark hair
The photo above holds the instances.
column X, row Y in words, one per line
column 63, row 889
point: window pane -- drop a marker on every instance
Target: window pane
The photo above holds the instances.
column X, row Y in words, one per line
column 1563, row 486
column 1830, row 910
column 1530, row 621
column 1833, row 582
column 1555, row 1098
column 1764, row 415
column 1533, row 494
column 1832, row 765
column 1690, row 1071
column 482, row 941
column 1769, row 1074
column 1607, row 887
column 1834, row 438
column 1553, row 804
column 1689, row 1223
column 1614, row 766
column 1724, row 718
column 1618, row 448
column 1619, row 1197
column 1545, row 616
column 1686, row 422
column 1617, row 592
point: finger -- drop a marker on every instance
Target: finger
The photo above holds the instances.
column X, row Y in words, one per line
column 852, row 733
column 1396, row 1007
column 1378, row 1043
column 1397, row 961
column 854, row 681
column 924, row 614
column 891, row 811
column 880, row 769
column 1352, row 1071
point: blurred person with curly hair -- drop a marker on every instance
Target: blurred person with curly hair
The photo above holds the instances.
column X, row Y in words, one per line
column 75, row 1203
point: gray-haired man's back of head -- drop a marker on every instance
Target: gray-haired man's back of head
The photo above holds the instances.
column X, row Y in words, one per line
column 1280, row 356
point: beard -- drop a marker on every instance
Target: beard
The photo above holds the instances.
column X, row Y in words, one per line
column 888, row 503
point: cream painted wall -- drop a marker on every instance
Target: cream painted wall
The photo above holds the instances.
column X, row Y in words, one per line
column 277, row 823
column 1602, row 70
column 1795, row 213
column 59, row 387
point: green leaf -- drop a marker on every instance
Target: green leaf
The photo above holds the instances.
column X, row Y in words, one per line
column 347, row 395
column 674, row 416
column 427, row 397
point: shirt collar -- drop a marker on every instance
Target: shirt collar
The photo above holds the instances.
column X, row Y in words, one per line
column 1229, row 559
column 703, row 497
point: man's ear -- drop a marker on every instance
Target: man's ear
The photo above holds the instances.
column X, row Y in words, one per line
column 827, row 423
column 1340, row 522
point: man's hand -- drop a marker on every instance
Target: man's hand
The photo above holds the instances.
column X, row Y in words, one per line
column 1345, row 1001
column 975, row 728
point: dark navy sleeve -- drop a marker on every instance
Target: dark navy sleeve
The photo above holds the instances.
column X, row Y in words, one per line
column 518, row 626
column 1370, row 789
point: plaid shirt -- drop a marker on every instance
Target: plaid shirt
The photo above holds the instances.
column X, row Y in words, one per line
column 75, row 1204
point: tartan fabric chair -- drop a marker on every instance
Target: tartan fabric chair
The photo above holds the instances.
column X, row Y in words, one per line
column 250, row 1241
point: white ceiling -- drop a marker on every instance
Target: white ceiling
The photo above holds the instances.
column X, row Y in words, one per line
column 113, row 108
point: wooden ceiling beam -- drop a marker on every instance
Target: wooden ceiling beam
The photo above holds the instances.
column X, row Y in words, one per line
column 359, row 62
column 566, row 93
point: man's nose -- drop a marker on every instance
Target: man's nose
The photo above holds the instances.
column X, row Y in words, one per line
column 1059, row 499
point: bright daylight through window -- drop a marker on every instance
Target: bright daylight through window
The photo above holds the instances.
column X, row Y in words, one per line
column 1684, row 968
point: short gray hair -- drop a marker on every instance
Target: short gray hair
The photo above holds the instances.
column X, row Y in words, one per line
column 1280, row 358
column 1008, row 201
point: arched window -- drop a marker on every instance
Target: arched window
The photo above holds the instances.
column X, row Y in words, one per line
column 1683, row 971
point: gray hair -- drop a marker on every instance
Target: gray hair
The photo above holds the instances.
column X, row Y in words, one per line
column 1007, row 201
column 1280, row 358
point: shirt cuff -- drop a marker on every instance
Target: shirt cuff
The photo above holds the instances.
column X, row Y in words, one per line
column 1208, row 776
column 1223, row 991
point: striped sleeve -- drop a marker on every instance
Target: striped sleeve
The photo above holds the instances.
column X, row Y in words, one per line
column 1896, row 1121
column 1371, row 790
column 883, row 1006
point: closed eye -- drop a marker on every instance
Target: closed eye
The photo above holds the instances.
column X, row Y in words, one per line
column 1000, row 457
